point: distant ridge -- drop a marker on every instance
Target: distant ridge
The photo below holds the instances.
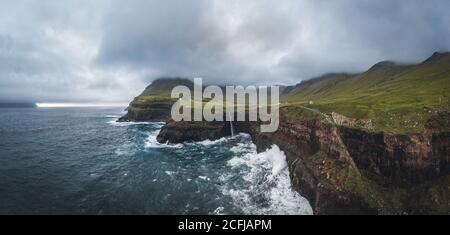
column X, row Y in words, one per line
column 17, row 105
column 438, row 57
column 397, row 97
column 165, row 85
column 384, row 65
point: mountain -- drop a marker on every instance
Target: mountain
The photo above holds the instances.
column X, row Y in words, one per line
column 164, row 86
column 376, row 142
column 397, row 98
column 154, row 103
column 392, row 97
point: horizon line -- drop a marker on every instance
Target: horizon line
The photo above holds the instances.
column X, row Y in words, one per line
column 77, row 105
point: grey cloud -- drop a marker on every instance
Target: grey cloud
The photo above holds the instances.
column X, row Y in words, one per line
column 108, row 50
column 264, row 41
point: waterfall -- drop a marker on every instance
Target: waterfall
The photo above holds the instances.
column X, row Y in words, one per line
column 231, row 125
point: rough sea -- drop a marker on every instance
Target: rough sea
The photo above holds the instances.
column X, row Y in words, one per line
column 80, row 161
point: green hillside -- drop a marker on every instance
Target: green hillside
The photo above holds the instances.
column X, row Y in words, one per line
column 154, row 103
column 158, row 93
column 397, row 98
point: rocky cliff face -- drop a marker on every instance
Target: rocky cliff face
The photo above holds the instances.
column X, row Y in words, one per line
column 320, row 166
column 178, row 132
column 342, row 120
column 343, row 170
column 413, row 158
column 403, row 158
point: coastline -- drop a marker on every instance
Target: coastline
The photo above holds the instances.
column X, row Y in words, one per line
column 331, row 165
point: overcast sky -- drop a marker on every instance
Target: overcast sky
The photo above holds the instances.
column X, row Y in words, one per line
column 109, row 50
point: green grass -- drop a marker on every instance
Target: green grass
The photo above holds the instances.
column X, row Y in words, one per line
column 294, row 113
column 397, row 99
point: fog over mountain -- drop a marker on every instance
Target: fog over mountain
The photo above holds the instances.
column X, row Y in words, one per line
column 108, row 50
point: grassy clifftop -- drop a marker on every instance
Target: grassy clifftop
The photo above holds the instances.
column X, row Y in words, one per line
column 397, row 98
column 154, row 103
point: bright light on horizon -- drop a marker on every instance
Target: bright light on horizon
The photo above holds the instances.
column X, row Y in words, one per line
column 79, row 105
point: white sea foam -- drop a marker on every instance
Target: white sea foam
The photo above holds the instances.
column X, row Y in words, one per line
column 221, row 140
column 169, row 173
column 265, row 186
column 218, row 211
column 127, row 149
column 122, row 124
column 204, row 178
column 212, row 142
column 152, row 142
column 113, row 116
column 268, row 180
column 245, row 147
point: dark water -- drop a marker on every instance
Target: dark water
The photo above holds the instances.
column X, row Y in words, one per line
column 79, row 161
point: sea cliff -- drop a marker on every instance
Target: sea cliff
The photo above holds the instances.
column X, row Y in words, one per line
column 376, row 142
column 347, row 170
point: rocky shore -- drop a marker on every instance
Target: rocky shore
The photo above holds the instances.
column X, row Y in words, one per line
column 376, row 142
column 347, row 170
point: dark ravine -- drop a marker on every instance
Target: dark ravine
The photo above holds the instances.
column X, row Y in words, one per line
column 343, row 170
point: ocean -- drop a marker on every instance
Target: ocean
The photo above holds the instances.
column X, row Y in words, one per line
column 80, row 161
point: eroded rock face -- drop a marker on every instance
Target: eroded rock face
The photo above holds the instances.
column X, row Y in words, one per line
column 342, row 120
column 178, row 132
column 320, row 166
column 438, row 122
column 332, row 165
column 401, row 158
column 325, row 189
column 410, row 158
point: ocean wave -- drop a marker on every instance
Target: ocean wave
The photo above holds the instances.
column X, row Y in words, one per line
column 221, row 140
column 152, row 142
column 212, row 142
column 170, row 173
column 204, row 178
column 127, row 150
column 113, row 116
column 267, row 187
column 114, row 122
column 219, row 211
column 244, row 147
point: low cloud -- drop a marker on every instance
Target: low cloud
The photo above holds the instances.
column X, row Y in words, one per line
column 110, row 50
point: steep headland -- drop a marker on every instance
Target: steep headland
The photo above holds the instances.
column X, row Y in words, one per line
column 371, row 143
column 154, row 104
